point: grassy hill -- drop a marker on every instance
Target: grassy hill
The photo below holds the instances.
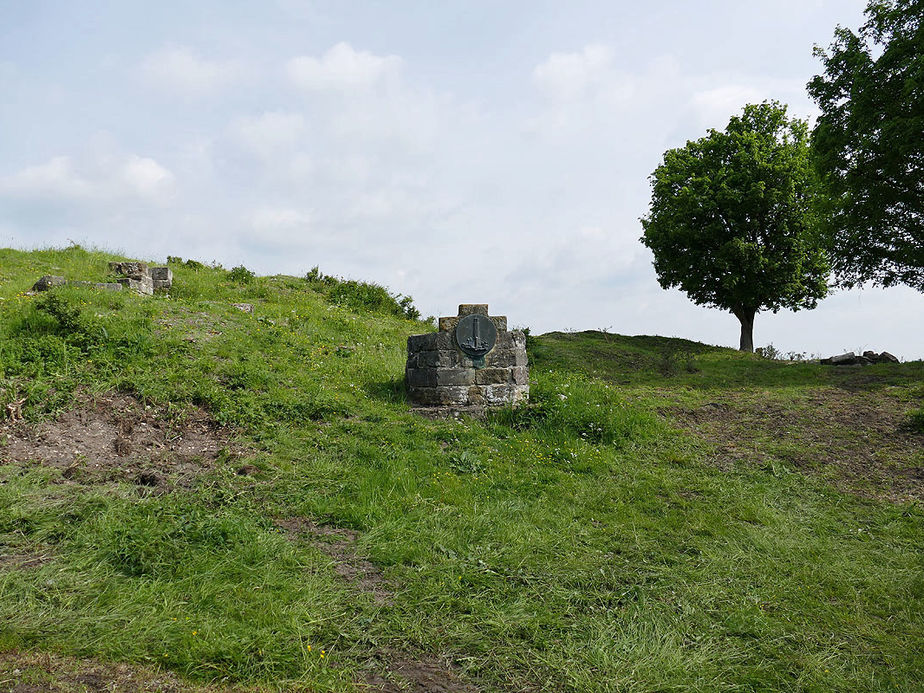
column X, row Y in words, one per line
column 201, row 498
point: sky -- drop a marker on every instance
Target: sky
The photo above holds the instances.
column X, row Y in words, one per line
column 459, row 152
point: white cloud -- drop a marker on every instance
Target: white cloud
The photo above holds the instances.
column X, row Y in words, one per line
column 342, row 68
column 567, row 76
column 273, row 219
column 104, row 179
column 269, row 132
column 176, row 68
column 716, row 105
column 281, row 226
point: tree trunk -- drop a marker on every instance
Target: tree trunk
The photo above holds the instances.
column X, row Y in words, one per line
column 746, row 317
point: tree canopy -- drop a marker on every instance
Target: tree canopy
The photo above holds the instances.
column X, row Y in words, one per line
column 732, row 223
column 869, row 145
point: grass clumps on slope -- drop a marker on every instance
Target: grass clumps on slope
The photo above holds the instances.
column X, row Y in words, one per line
column 582, row 543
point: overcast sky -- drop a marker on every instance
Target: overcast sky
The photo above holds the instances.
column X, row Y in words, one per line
column 493, row 152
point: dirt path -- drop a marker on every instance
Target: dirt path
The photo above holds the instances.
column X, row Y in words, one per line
column 394, row 672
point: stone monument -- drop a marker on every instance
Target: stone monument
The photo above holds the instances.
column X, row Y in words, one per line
column 473, row 362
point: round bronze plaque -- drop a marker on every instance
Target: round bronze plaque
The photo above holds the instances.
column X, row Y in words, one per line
column 476, row 335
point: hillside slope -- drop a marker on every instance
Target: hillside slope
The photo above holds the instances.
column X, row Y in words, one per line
column 245, row 499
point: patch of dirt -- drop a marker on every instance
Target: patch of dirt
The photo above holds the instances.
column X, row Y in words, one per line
column 340, row 546
column 117, row 438
column 417, row 675
column 12, row 557
column 858, row 440
column 41, row 672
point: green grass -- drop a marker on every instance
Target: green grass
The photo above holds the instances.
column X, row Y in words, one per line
column 583, row 543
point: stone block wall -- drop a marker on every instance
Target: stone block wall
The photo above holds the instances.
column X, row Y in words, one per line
column 440, row 374
column 136, row 276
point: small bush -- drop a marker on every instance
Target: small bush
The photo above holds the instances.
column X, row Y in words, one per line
column 674, row 362
column 241, row 275
column 361, row 296
column 70, row 322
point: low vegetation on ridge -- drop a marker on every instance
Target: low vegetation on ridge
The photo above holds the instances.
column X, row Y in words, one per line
column 244, row 501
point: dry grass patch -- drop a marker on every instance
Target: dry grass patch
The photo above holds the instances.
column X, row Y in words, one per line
column 857, row 439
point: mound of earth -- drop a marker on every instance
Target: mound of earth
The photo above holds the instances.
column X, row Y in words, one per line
column 118, row 438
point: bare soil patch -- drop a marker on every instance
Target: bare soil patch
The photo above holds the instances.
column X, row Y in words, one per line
column 12, row 557
column 340, row 546
column 118, row 438
column 417, row 675
column 40, row 672
column 857, row 439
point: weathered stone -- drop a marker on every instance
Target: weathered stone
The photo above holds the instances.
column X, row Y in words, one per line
column 520, row 375
column 421, row 377
column 455, row 376
column 886, row 357
column 492, row 376
column 132, row 270
column 439, row 396
column 47, row 282
column 430, row 341
column 498, row 395
column 421, row 342
column 511, row 340
column 107, row 286
column 161, row 274
column 476, row 395
column 162, row 285
column 448, row 324
column 144, row 286
column 472, row 309
column 847, row 359
column 243, row 307
column 505, row 358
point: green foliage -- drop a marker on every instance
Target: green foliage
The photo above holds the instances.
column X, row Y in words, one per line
column 361, row 296
column 916, row 420
column 869, row 146
column 731, row 220
column 241, row 275
column 574, row 406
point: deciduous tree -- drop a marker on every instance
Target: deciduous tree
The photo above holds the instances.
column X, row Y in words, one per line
column 869, row 145
column 731, row 221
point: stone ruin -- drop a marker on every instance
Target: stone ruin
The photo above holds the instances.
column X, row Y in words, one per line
column 472, row 362
column 136, row 276
column 866, row 358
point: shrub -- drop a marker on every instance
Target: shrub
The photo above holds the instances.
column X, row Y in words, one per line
column 69, row 321
column 361, row 296
column 241, row 275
